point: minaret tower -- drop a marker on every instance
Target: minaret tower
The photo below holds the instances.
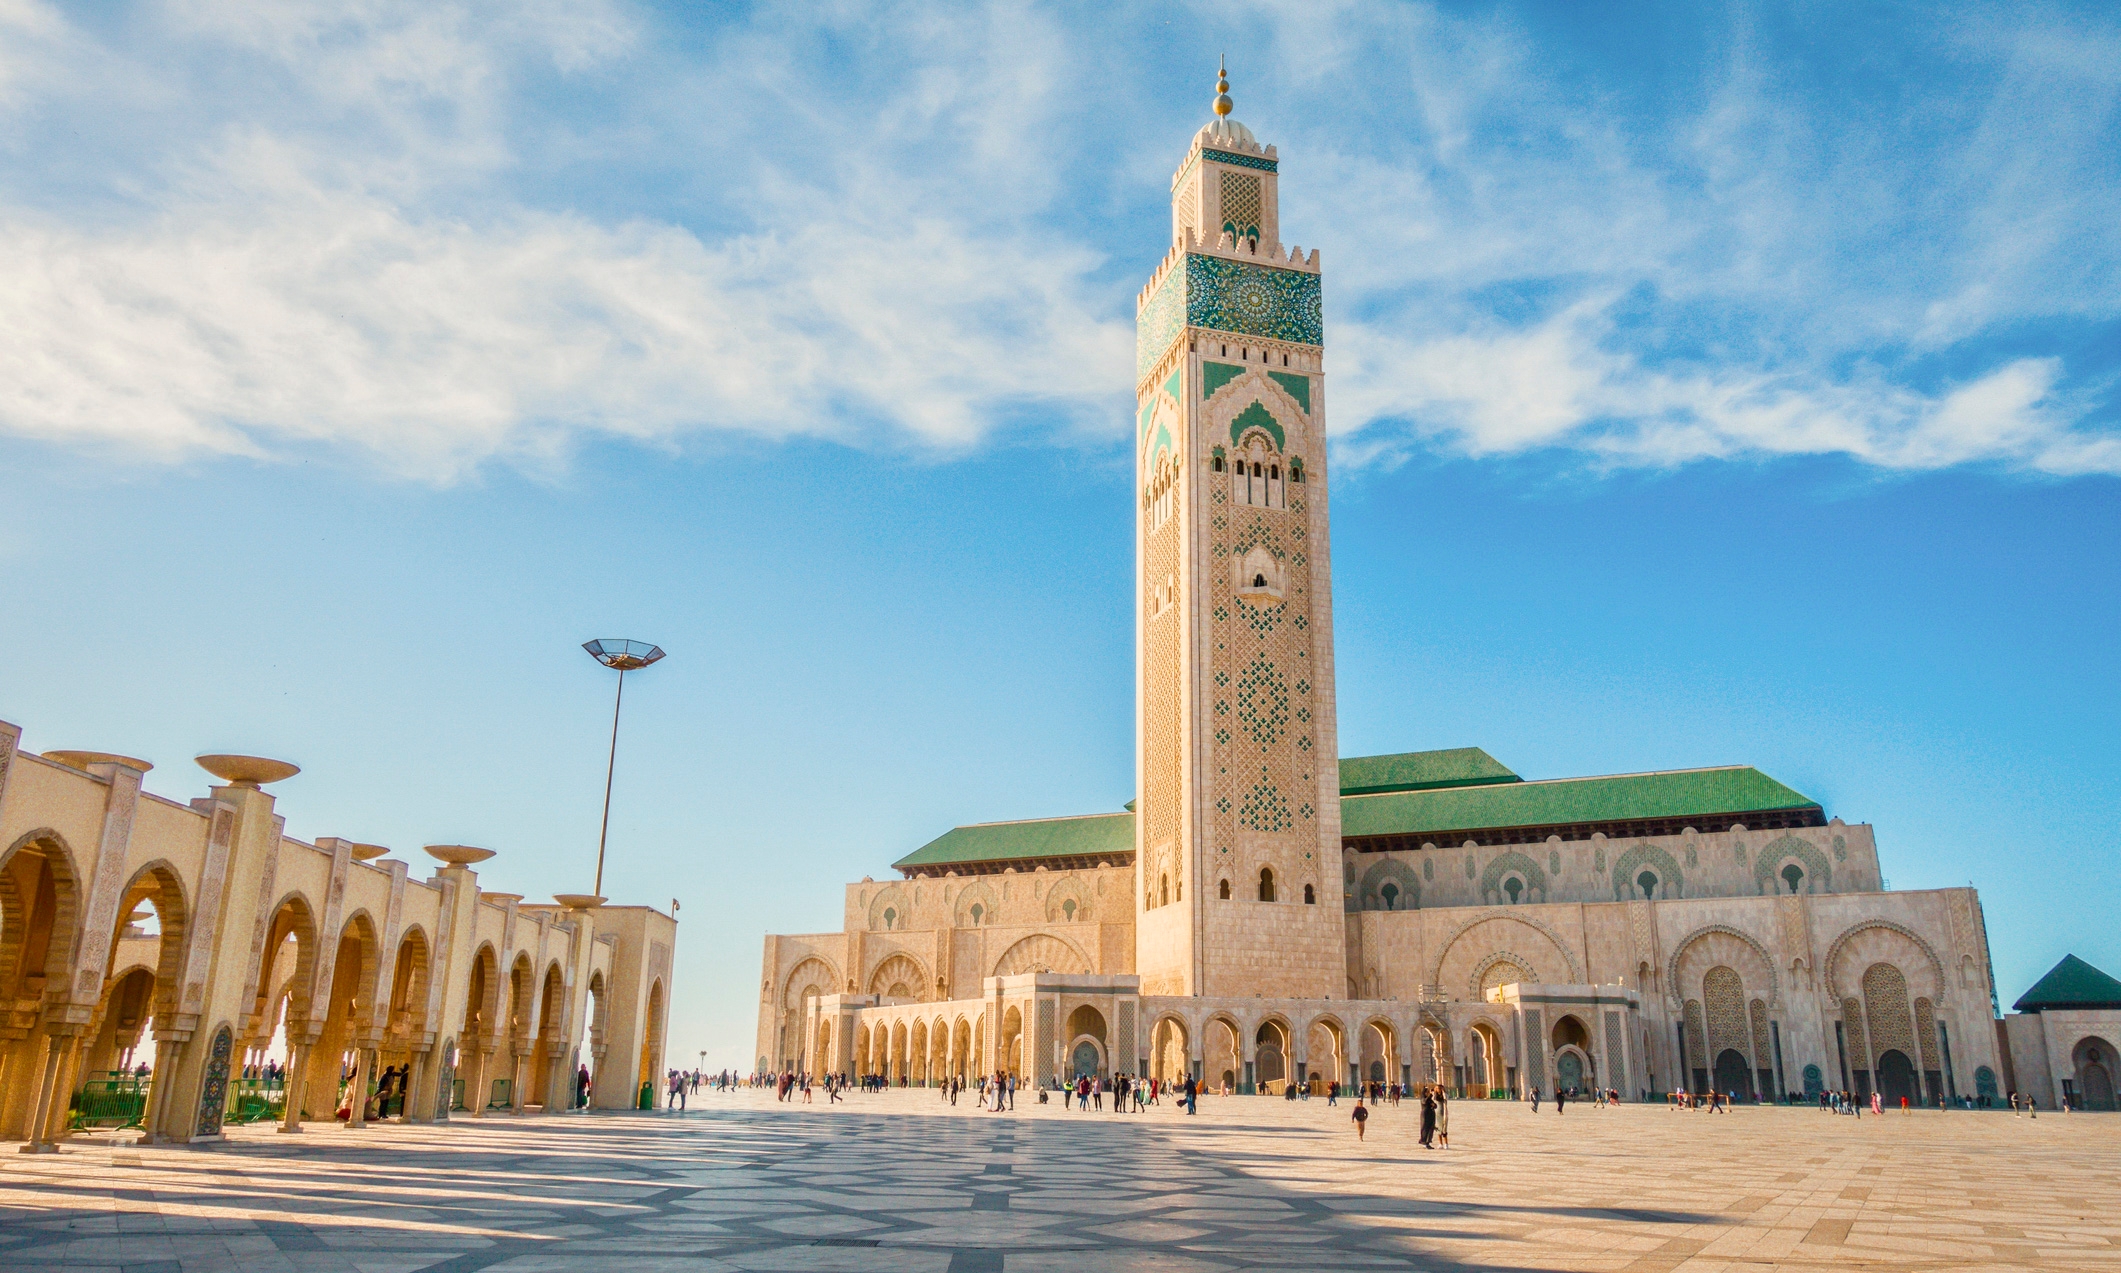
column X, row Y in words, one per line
column 1238, row 826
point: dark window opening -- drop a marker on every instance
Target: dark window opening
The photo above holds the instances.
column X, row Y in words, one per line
column 1795, row 876
column 1647, row 882
column 1391, row 896
column 1310, row 896
column 1226, row 890
column 1266, row 884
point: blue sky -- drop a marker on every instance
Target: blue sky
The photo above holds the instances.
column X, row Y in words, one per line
column 1707, row 386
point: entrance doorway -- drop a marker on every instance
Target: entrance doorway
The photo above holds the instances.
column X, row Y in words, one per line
column 1733, row 1075
column 1896, row 1077
column 1085, row 1059
column 1568, row 1072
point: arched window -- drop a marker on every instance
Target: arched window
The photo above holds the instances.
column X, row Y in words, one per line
column 1259, row 581
column 1216, row 463
column 1391, row 895
column 977, row 911
column 1164, row 890
column 1274, row 471
column 1225, row 890
column 1794, row 874
column 1513, row 886
column 1068, row 909
column 1310, row 896
column 1266, row 884
column 890, row 917
column 1647, row 882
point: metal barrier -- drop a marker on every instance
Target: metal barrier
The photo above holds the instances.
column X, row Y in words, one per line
column 256, row 1100
column 117, row 1101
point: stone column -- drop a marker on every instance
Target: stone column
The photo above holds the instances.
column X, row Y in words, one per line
column 357, row 1104
column 478, row 1098
column 419, row 1074
column 40, row 1141
column 158, row 1085
column 516, row 1072
column 70, row 1063
column 297, row 1082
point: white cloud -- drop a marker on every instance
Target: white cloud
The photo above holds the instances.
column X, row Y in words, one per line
column 366, row 227
column 1555, row 386
column 302, row 315
column 276, row 302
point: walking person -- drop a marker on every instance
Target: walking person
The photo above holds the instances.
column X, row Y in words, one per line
column 1428, row 1119
column 1361, row 1116
column 1443, row 1119
column 1535, row 1100
column 1561, row 1100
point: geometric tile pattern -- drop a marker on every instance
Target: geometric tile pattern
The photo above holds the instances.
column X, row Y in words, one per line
column 902, row 1181
column 1230, row 296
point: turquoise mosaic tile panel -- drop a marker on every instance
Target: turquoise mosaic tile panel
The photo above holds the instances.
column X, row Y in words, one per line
column 1214, row 375
column 1256, row 416
column 1223, row 157
column 1297, row 387
column 1242, row 161
column 1160, row 321
column 1253, row 300
column 1230, row 296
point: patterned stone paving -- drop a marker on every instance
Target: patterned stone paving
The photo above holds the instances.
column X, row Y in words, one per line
column 903, row 1182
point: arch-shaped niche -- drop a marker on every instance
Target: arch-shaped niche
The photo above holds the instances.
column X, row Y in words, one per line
column 976, row 904
column 899, row 976
column 1389, row 885
column 1512, row 878
column 1792, row 864
column 891, row 910
column 1068, row 901
column 1041, row 952
column 1463, row 958
column 1720, row 944
column 1647, row 873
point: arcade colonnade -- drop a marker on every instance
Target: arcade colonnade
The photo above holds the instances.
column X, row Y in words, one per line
column 203, row 930
column 1043, row 1026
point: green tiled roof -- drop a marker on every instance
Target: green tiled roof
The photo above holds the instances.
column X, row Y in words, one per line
column 2071, row 984
column 1412, row 793
column 1421, row 771
column 1683, row 793
column 1093, row 835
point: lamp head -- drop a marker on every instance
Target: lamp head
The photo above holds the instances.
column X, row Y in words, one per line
column 623, row 656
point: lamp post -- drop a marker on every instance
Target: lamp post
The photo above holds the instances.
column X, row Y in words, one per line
column 622, row 657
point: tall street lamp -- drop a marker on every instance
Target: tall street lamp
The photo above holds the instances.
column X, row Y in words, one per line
column 622, row 657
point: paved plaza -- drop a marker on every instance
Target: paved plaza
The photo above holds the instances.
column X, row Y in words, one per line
column 902, row 1181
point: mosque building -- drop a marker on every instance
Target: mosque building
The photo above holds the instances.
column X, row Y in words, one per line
column 1271, row 911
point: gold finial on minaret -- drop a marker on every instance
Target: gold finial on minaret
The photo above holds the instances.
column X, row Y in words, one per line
column 1223, row 104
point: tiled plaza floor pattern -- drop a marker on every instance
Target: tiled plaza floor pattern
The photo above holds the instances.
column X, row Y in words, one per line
column 902, row 1182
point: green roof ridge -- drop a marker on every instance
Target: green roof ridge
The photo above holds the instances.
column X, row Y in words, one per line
column 1672, row 793
column 1027, row 839
column 1422, row 792
column 1421, row 771
column 2071, row 984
